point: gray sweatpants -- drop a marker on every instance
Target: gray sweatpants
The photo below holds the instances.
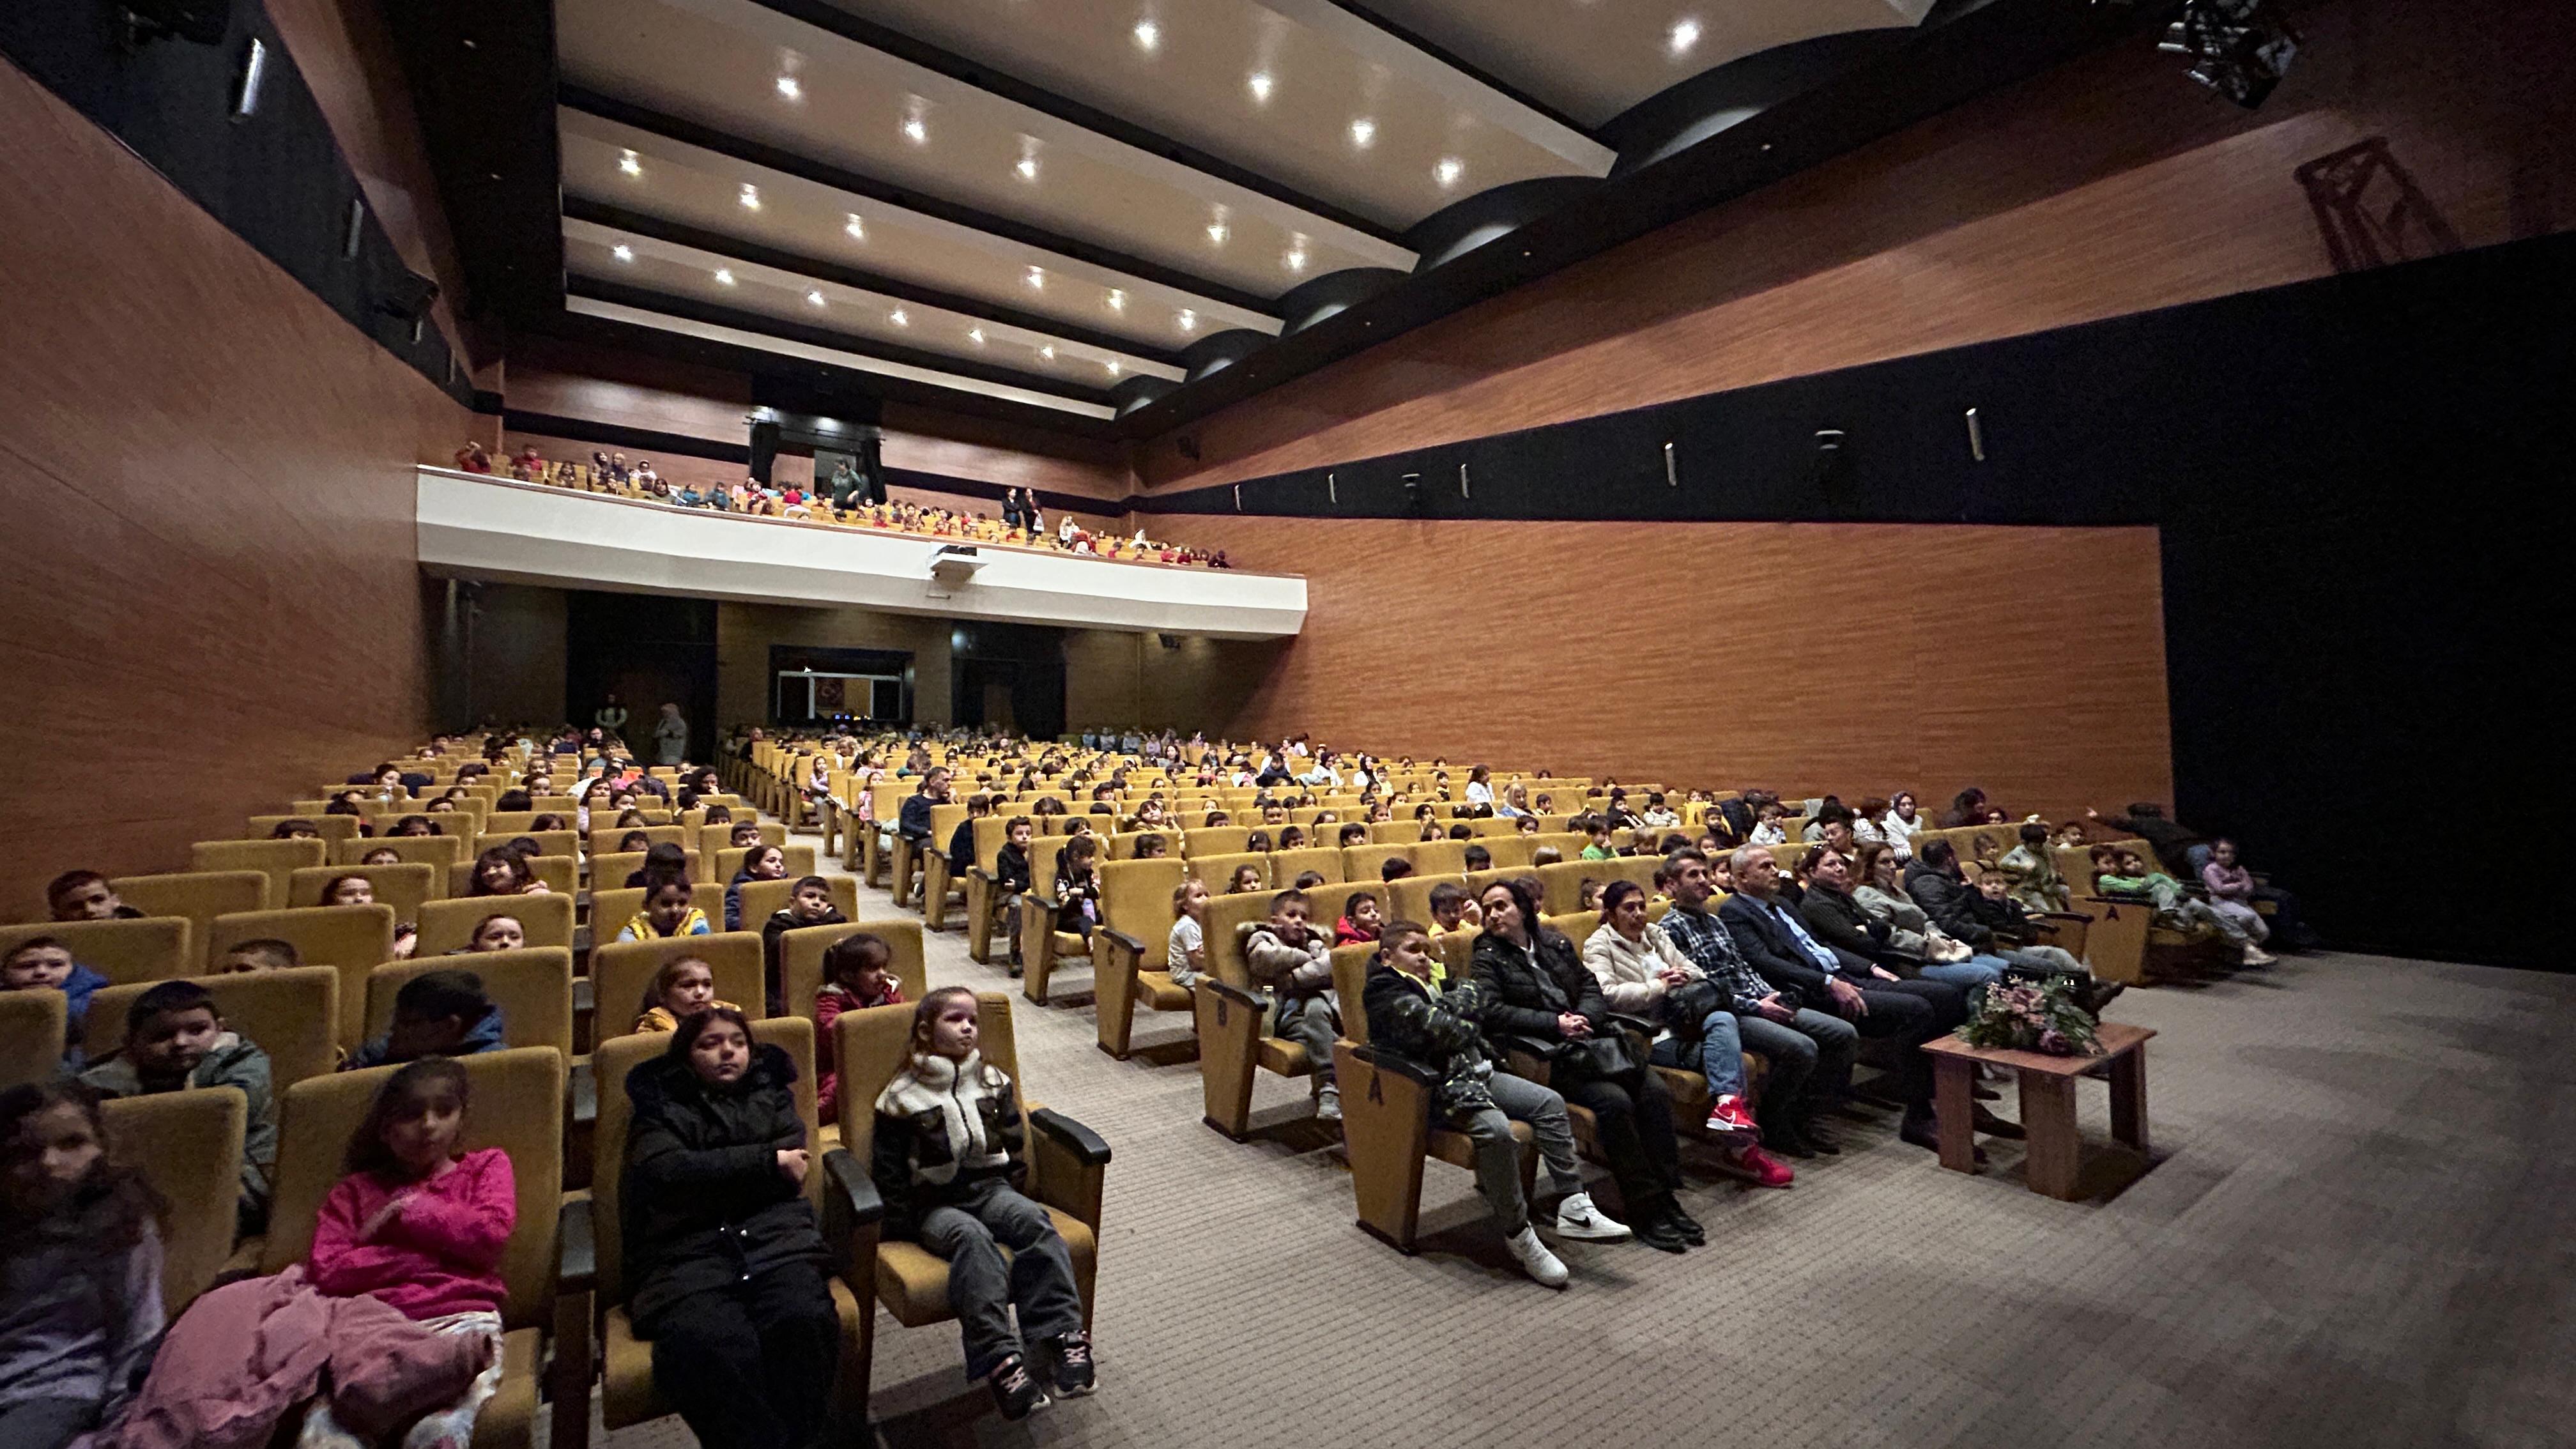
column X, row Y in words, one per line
column 1498, row 1154
column 982, row 1289
column 1311, row 1022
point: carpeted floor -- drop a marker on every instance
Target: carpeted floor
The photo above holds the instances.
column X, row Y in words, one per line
column 2358, row 1230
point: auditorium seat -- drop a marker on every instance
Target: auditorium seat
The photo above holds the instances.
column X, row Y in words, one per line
column 622, row 971
column 188, row 1145
column 148, row 948
column 278, row 859
column 545, row 920
column 1128, row 948
column 198, row 895
column 355, row 939
column 292, row 1014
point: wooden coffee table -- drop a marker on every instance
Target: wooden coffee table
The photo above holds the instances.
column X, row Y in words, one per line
column 2047, row 1102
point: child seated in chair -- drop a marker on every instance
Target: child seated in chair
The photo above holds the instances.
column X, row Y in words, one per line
column 1152, row 846
column 858, row 972
column 265, row 954
column 808, row 904
column 1452, row 909
column 1361, row 918
column 724, row 1259
column 1011, row 880
column 1077, row 887
column 1185, row 949
column 83, row 1269
column 441, row 1013
column 760, row 862
column 949, row 1155
column 176, row 1039
column 683, row 987
column 670, row 909
column 1294, row 962
column 86, row 895
column 421, row 1224
column 46, row 964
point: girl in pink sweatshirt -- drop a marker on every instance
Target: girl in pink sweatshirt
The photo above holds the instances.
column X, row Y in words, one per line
column 421, row 1224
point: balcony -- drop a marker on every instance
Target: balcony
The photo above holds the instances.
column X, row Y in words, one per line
column 481, row 527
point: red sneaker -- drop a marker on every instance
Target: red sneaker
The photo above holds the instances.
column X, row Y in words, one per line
column 1727, row 1118
column 1763, row 1168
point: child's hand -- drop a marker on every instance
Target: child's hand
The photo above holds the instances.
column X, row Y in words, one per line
column 792, row 1164
column 384, row 1217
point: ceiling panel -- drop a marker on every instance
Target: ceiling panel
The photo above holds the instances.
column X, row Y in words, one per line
column 720, row 63
column 617, row 165
column 1593, row 59
column 634, row 260
column 830, row 356
column 1303, row 93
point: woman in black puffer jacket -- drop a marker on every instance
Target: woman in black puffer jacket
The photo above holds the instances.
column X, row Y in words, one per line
column 724, row 1263
column 1537, row 995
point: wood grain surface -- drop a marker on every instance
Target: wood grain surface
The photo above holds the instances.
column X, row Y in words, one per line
column 212, row 601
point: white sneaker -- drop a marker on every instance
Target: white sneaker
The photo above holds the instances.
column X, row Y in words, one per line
column 2257, row 956
column 1328, row 1105
column 1577, row 1218
column 1542, row 1266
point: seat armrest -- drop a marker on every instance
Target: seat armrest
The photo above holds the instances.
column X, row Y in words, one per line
column 852, row 1188
column 1235, row 994
column 585, row 1093
column 1387, row 1061
column 1089, row 1147
column 1052, row 905
column 1121, row 940
column 584, row 994
column 2060, row 916
column 989, row 878
column 576, row 1248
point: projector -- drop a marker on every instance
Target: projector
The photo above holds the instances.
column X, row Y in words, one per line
column 955, row 564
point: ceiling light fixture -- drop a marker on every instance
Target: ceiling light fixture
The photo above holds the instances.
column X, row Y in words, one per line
column 1188, row 321
column 1295, row 261
column 630, row 164
column 1047, row 352
column 623, row 252
column 1448, row 171
column 1114, row 368
column 975, row 335
column 1363, row 133
column 915, row 129
column 898, row 318
column 1217, row 232
column 1117, row 300
column 1260, row 86
column 788, row 88
column 1037, row 278
column 1028, row 168
column 814, row 297
column 724, row 276
column 750, row 197
column 857, row 229
column 1148, row 34
column 1685, row 34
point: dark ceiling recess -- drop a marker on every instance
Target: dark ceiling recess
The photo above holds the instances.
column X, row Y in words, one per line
column 486, row 79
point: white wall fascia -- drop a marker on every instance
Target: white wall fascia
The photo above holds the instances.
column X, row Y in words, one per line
column 472, row 526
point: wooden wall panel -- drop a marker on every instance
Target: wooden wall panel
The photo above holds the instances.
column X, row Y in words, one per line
column 212, row 600
column 2110, row 185
column 932, row 441
column 1807, row 657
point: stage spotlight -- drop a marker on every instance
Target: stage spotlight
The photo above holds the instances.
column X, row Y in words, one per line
column 2239, row 48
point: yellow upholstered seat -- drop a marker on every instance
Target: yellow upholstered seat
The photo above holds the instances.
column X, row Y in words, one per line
column 152, row 948
column 293, row 1015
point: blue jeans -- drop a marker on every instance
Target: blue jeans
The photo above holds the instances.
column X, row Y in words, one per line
column 1972, row 976
column 2196, row 856
column 1721, row 1055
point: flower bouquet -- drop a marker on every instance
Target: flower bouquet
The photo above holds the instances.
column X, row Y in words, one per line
column 2033, row 1016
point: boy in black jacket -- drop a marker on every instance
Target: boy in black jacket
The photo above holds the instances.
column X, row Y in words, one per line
column 808, row 904
column 1011, row 880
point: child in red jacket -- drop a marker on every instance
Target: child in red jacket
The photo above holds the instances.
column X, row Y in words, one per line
column 1361, row 920
column 421, row 1224
column 858, row 972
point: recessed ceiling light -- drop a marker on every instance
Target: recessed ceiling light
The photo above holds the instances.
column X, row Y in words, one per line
column 1047, row 352
column 750, row 197
column 1217, row 232
column 724, row 276
column 1363, row 133
column 1117, row 300
column 788, row 87
column 975, row 335
column 857, row 229
column 623, row 252
column 1188, row 321
column 1148, row 34
column 898, row 318
column 1028, row 168
column 630, row 164
column 1449, row 170
column 915, row 130
column 1685, row 34
column 814, row 297
column 1295, row 261
column 1114, row 368
column 1037, row 277
column 1260, row 86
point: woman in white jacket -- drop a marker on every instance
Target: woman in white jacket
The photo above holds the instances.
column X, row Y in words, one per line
column 1901, row 824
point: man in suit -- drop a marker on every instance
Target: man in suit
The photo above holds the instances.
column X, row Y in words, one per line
column 1775, row 939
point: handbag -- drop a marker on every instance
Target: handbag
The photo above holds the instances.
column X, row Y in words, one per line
column 1610, row 1054
column 1686, row 1009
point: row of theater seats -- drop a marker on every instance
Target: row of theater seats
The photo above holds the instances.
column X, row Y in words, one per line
column 551, row 1096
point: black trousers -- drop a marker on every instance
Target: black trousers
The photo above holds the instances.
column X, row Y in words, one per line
column 751, row 1366
column 1912, row 1012
column 1634, row 1130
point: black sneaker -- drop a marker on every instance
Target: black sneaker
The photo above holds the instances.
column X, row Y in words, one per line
column 1686, row 1225
column 1015, row 1389
column 1818, row 1138
column 1068, row 1361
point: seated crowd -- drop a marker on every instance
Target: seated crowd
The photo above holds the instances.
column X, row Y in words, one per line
column 842, row 501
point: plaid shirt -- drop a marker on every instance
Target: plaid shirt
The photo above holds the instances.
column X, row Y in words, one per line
column 1700, row 936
